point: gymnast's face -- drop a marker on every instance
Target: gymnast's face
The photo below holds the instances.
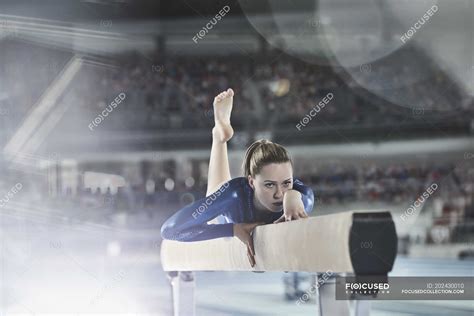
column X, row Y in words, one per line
column 270, row 185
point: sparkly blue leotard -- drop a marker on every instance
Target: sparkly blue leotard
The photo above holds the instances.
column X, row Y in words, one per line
column 231, row 203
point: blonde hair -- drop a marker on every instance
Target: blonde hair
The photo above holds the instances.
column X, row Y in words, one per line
column 261, row 153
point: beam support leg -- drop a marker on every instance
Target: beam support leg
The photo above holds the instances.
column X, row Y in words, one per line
column 362, row 308
column 183, row 293
column 326, row 299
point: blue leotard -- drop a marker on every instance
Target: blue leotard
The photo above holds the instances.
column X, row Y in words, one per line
column 231, row 203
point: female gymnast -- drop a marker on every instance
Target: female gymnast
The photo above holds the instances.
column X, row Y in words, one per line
column 267, row 194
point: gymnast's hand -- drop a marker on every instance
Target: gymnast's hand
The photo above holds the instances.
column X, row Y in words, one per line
column 293, row 207
column 244, row 232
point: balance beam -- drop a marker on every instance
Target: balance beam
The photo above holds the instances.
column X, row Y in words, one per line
column 362, row 243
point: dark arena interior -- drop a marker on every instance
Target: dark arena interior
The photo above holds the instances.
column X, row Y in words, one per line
column 109, row 111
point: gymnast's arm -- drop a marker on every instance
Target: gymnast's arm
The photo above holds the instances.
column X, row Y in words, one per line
column 307, row 195
column 190, row 223
column 297, row 202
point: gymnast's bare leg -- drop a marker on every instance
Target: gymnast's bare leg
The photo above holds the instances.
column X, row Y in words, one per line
column 222, row 132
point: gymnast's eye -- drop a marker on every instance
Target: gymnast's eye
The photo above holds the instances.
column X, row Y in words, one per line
column 287, row 184
column 269, row 185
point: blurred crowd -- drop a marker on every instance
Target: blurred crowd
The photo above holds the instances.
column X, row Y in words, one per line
column 272, row 91
column 159, row 187
column 154, row 191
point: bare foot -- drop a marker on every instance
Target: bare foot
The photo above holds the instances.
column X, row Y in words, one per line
column 222, row 110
